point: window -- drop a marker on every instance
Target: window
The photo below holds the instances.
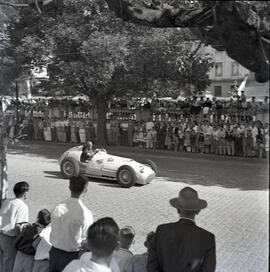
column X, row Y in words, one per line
column 235, row 69
column 218, row 69
column 217, row 91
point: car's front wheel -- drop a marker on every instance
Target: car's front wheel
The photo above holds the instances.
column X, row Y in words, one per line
column 69, row 168
column 126, row 176
column 150, row 164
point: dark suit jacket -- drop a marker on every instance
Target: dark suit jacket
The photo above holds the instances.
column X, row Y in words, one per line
column 182, row 247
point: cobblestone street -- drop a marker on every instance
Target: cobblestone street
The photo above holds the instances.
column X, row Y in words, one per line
column 236, row 190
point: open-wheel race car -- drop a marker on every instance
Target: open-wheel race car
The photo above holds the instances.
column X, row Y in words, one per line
column 125, row 171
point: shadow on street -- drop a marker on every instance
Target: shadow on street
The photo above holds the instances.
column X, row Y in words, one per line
column 189, row 168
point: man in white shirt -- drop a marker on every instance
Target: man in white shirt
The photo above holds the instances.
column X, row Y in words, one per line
column 13, row 212
column 70, row 222
column 102, row 240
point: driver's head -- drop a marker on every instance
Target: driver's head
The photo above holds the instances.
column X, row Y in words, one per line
column 89, row 145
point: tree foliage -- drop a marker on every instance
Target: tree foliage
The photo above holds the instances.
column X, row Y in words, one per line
column 240, row 27
column 88, row 50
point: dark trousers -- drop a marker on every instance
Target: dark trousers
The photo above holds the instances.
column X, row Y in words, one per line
column 59, row 259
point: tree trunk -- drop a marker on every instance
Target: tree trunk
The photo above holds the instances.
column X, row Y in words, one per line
column 3, row 158
column 102, row 109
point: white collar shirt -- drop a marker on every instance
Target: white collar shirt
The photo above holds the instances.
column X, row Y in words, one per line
column 13, row 211
column 70, row 222
column 209, row 130
column 149, row 125
column 85, row 264
column 44, row 246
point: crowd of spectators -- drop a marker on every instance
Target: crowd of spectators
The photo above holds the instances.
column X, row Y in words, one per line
column 233, row 127
column 67, row 238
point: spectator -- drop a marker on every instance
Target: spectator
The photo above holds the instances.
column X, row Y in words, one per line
column 266, row 139
column 243, row 96
column 138, row 263
column 181, row 136
column 221, row 141
column 27, row 241
column 76, row 218
column 249, row 143
column 73, row 137
column 102, row 239
column 208, row 131
column 238, row 140
column 12, row 212
column 259, row 143
column 229, row 141
column 214, row 146
column 182, row 246
column 130, row 133
column 200, row 136
column 115, row 131
column 126, row 239
column 153, row 139
column 41, row 258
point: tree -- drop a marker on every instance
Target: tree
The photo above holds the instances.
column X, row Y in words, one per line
column 242, row 28
column 89, row 51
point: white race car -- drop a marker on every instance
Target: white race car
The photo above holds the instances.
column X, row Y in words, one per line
column 125, row 171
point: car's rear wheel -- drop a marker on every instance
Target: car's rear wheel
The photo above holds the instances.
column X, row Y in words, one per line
column 126, row 176
column 150, row 164
column 69, row 168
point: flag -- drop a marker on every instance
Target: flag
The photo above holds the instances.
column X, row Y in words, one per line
column 242, row 85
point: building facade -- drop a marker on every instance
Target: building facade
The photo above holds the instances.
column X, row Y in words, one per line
column 227, row 73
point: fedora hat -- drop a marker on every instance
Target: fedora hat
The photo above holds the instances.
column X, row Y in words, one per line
column 188, row 200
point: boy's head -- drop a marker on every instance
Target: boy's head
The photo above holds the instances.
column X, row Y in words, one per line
column 44, row 217
column 102, row 237
column 78, row 185
column 20, row 189
column 149, row 238
column 126, row 237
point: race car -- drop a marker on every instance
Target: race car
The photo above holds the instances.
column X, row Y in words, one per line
column 125, row 171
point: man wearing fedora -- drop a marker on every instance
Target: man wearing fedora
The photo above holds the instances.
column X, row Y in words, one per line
column 182, row 246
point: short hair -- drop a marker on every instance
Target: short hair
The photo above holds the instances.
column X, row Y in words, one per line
column 126, row 235
column 103, row 237
column 187, row 213
column 149, row 238
column 20, row 188
column 44, row 217
column 77, row 184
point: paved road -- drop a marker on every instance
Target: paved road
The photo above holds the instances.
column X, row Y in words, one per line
column 236, row 190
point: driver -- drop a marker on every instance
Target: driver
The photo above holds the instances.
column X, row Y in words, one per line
column 87, row 152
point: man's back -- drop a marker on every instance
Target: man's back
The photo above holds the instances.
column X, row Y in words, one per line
column 13, row 211
column 182, row 247
column 70, row 221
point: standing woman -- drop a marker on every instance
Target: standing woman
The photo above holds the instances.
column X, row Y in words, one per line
column 221, row 141
column 168, row 139
column 82, row 131
column 200, row 136
column 135, row 134
column 73, row 138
